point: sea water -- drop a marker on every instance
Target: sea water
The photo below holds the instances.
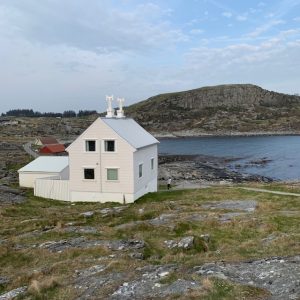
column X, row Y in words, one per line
column 282, row 151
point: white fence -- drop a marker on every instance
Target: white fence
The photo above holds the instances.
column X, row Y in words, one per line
column 52, row 188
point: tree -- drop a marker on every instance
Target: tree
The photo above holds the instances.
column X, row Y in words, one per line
column 83, row 113
column 69, row 114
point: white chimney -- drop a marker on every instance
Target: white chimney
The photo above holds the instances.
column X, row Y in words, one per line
column 110, row 112
column 120, row 111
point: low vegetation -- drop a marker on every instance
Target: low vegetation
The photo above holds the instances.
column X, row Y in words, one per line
column 271, row 230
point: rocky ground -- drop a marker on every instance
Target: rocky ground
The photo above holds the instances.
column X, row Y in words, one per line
column 12, row 157
column 213, row 243
column 11, row 195
column 268, row 274
column 203, row 170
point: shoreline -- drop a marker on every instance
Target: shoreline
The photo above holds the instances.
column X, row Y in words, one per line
column 189, row 134
column 204, row 170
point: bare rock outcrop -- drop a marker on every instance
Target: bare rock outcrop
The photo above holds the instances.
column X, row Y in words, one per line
column 218, row 109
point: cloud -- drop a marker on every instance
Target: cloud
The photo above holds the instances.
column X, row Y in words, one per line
column 242, row 18
column 253, row 10
column 227, row 14
column 64, row 22
column 196, row 31
column 65, row 54
column 265, row 27
column 58, row 55
column 265, row 64
column 192, row 22
column 270, row 15
column 261, row 4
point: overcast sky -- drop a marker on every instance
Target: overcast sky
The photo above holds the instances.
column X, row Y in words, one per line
column 57, row 55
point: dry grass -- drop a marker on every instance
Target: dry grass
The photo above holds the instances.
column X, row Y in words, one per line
column 37, row 287
column 207, row 284
column 238, row 239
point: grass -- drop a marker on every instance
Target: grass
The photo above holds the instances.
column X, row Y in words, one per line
column 221, row 289
column 236, row 240
column 289, row 187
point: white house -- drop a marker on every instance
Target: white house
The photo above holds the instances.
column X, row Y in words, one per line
column 114, row 159
column 44, row 167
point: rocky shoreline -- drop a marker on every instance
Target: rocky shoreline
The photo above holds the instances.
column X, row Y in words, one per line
column 204, row 170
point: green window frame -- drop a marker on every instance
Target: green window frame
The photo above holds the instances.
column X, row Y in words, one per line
column 112, row 174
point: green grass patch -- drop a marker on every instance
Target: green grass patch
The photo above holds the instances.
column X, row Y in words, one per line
column 182, row 227
column 163, row 196
column 14, row 259
column 286, row 223
column 226, row 290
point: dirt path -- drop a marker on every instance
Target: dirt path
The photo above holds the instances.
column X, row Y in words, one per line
column 271, row 192
column 27, row 148
column 189, row 185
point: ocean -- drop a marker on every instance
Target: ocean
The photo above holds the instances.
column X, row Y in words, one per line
column 281, row 153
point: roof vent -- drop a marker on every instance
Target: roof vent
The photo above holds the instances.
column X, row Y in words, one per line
column 120, row 111
column 110, row 112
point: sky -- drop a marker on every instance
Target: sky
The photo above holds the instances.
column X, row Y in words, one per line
column 57, row 55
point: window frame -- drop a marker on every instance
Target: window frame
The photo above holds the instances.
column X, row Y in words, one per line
column 89, row 168
column 152, row 163
column 140, row 170
column 104, row 145
column 112, row 180
column 86, row 143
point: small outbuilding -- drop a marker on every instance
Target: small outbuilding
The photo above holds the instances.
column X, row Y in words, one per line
column 45, row 141
column 56, row 167
column 54, row 149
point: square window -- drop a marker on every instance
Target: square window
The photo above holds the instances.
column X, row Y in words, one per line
column 152, row 163
column 109, row 146
column 89, row 173
column 90, row 146
column 112, row 174
column 140, row 170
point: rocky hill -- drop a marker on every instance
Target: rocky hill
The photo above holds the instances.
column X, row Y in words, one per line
column 224, row 109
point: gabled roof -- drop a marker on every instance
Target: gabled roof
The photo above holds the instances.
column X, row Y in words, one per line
column 48, row 140
column 53, row 148
column 131, row 131
column 46, row 164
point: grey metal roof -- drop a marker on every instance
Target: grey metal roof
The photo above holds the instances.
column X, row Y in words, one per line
column 51, row 164
column 131, row 131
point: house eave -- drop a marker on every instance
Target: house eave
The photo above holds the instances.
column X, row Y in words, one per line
column 147, row 146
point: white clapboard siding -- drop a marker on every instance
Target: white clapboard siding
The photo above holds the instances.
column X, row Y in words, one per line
column 52, row 189
column 122, row 159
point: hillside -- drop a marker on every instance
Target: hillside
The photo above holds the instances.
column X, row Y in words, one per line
column 224, row 109
column 214, row 243
column 218, row 110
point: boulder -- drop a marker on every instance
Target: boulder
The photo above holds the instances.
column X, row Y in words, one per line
column 87, row 214
column 185, row 243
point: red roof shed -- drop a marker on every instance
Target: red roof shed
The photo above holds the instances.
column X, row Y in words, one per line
column 52, row 149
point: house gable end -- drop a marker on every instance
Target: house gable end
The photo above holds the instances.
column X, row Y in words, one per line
column 79, row 138
column 98, row 123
